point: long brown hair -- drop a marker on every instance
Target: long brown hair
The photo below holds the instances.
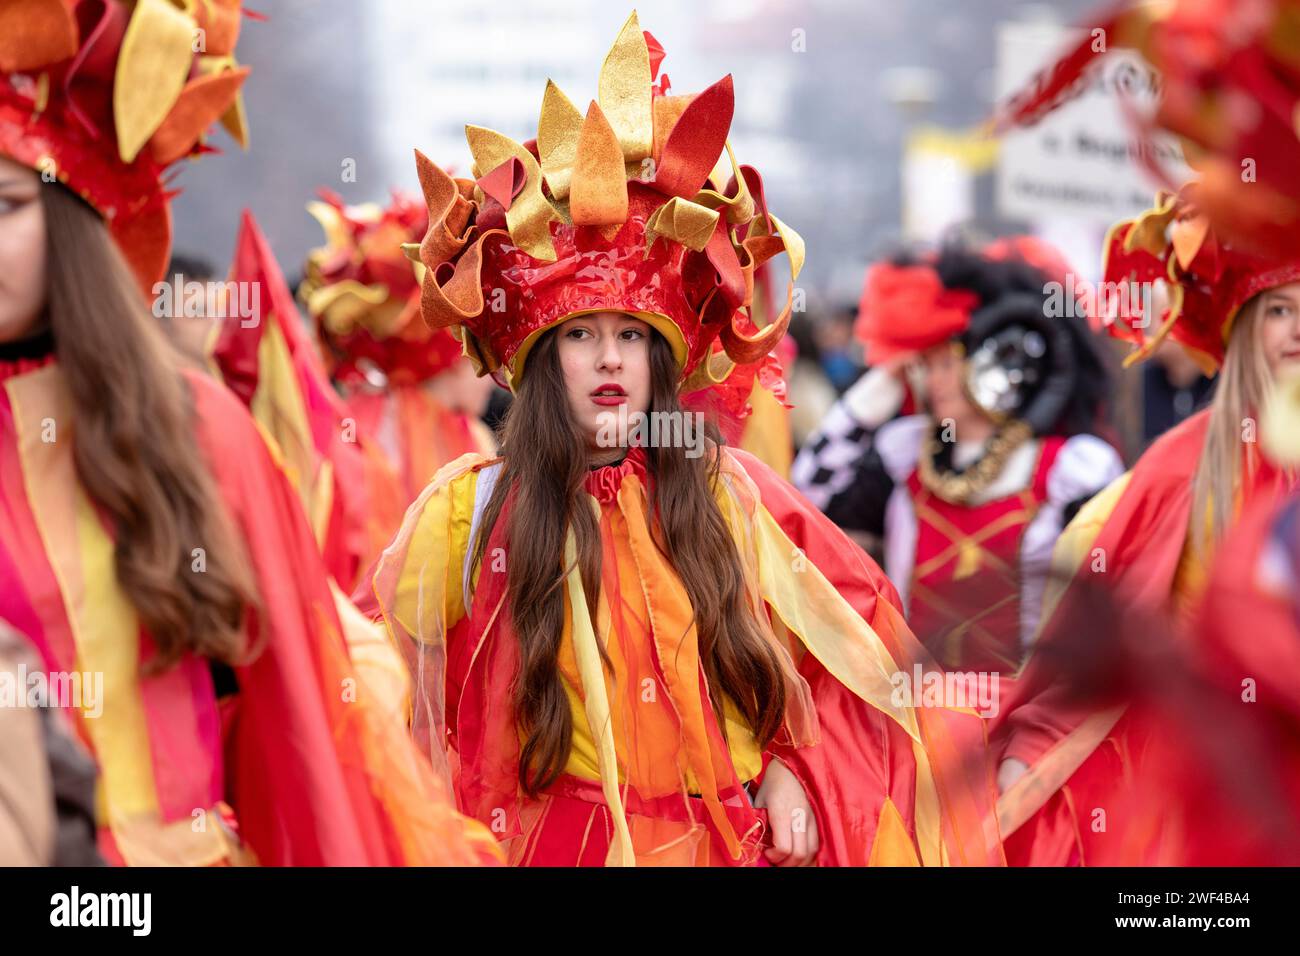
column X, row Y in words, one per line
column 134, row 447
column 543, row 474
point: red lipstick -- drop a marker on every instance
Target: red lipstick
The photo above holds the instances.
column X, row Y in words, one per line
column 610, row 393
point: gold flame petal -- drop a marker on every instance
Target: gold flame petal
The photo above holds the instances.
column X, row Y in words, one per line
column 152, row 67
column 624, row 91
column 530, row 215
column 682, row 221
column 558, row 129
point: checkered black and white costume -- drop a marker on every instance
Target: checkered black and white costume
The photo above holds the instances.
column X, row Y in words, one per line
column 855, row 469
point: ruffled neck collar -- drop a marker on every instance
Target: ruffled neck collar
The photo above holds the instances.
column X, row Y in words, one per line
column 603, row 481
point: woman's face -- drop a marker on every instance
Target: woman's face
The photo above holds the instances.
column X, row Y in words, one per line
column 943, row 368
column 1279, row 328
column 459, row 389
column 22, row 250
column 605, row 358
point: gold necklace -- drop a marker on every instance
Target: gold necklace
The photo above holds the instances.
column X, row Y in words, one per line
column 960, row 488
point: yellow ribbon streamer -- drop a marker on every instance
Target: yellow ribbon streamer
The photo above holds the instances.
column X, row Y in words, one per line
column 154, row 62
column 596, row 700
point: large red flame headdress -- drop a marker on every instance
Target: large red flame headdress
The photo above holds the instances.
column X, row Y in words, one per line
column 639, row 206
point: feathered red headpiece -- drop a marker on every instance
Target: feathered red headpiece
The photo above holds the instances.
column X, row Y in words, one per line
column 907, row 309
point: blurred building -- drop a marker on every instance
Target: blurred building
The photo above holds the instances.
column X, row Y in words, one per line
column 827, row 92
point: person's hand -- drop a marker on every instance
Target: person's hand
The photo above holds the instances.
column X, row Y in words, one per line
column 794, row 828
column 1009, row 772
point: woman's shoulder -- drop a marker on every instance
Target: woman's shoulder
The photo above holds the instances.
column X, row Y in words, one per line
column 737, row 463
column 461, row 469
column 1153, row 495
column 1162, row 474
column 455, row 486
column 899, row 443
column 426, row 561
column 816, row 537
column 1179, row 448
column 759, row 484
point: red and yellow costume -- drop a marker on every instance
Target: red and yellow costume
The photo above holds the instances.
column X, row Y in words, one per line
column 1241, row 811
column 558, row 229
column 888, row 783
column 287, row 771
column 1241, row 240
column 1082, row 757
column 1219, row 781
column 364, row 297
column 301, row 763
column 350, row 493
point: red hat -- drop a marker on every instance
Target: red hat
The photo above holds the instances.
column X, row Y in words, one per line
column 907, row 309
column 364, row 294
column 1230, row 89
column 1209, row 279
column 106, row 95
column 620, row 210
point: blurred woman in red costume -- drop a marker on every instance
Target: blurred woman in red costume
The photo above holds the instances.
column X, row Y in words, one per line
column 147, row 538
column 408, row 385
column 643, row 647
column 1220, row 781
column 1149, row 539
column 1235, row 787
column 1229, row 254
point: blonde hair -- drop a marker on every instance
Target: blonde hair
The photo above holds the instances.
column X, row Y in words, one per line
column 1231, row 439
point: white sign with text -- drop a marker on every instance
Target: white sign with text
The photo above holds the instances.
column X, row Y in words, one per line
column 1081, row 161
